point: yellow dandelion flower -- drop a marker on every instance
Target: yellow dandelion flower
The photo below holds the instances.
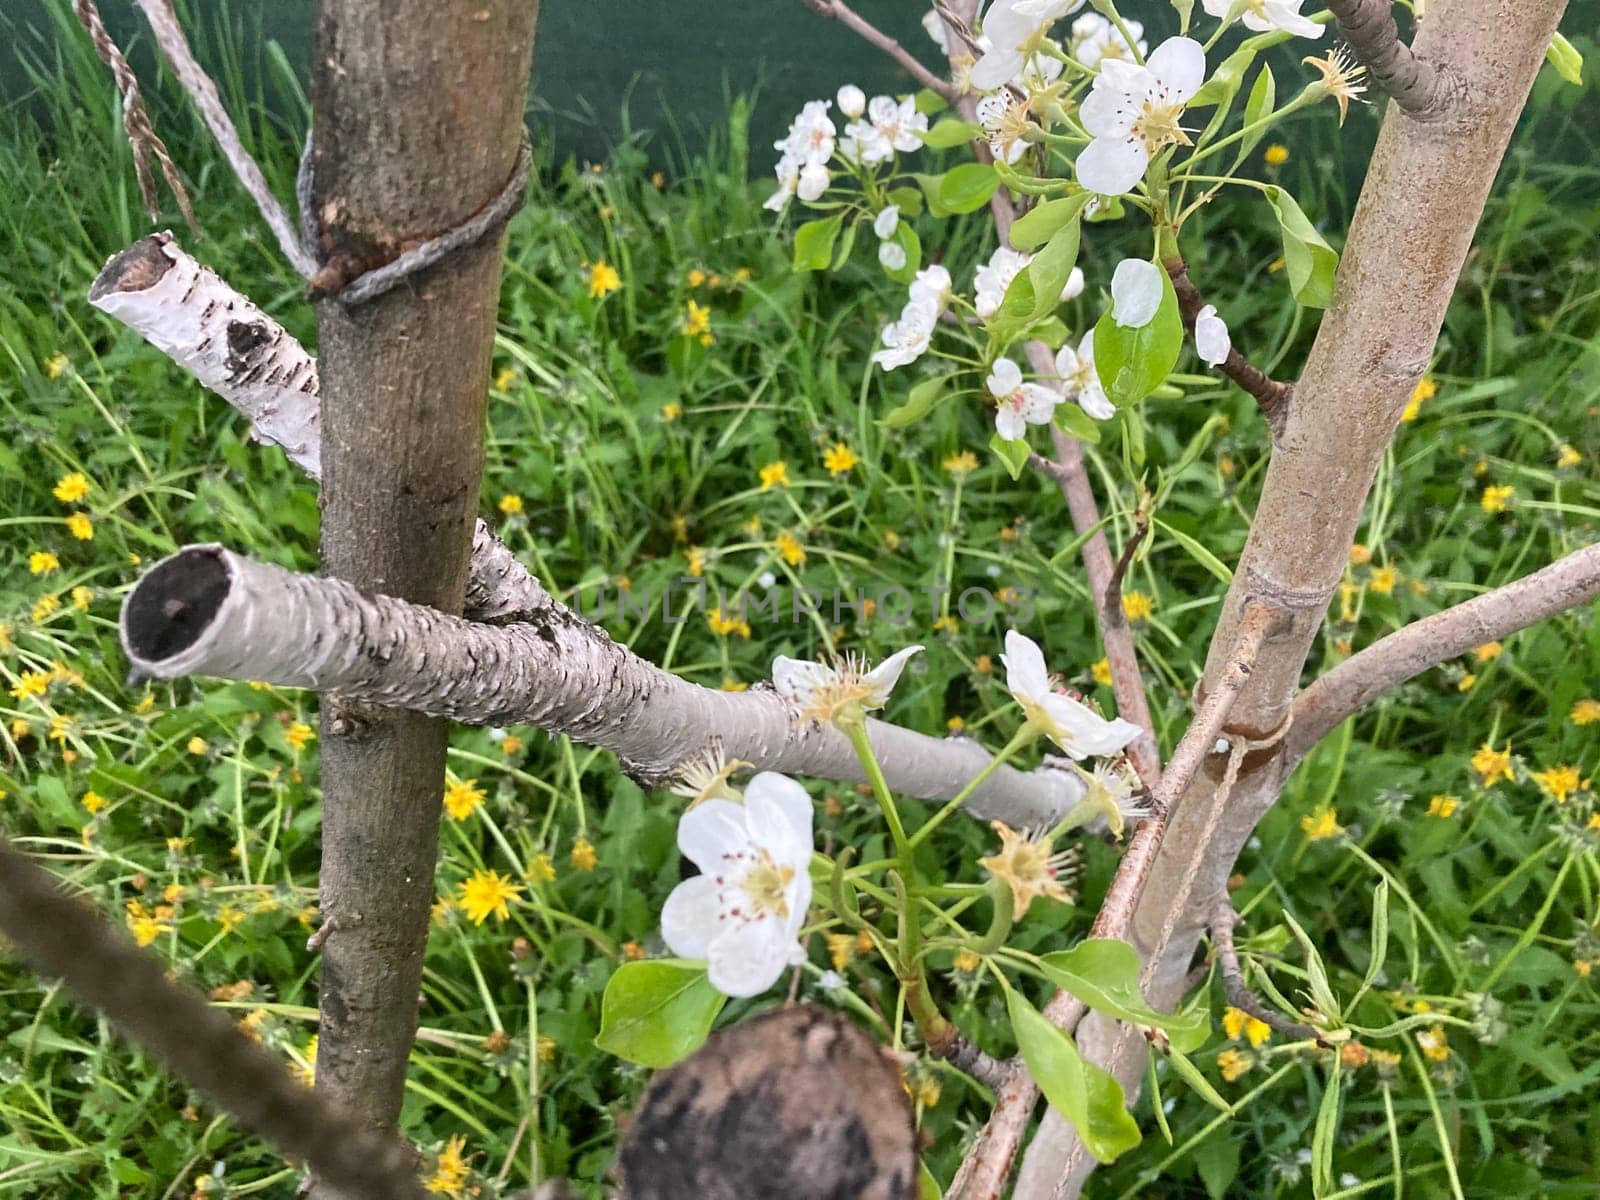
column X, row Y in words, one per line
column 1567, row 456
column 55, row 365
column 146, row 926
column 696, row 277
column 1583, row 966
column 230, row 918
column 603, row 280
column 841, row 949
column 583, row 857
column 1593, row 822
column 1492, row 765
column 967, row 962
column 42, row 562
column 31, row 683
column 730, row 684
column 510, row 744
column 696, row 556
column 81, row 527
column 487, row 893
column 697, row 321
column 93, row 802
column 542, row 869
column 306, row 1068
column 1354, row 1055
column 1425, row 390
column 1497, row 499
column 1434, row 1044
column 1443, row 806
column 1585, row 712
column 774, row 474
column 510, row 504
column 839, row 459
column 1488, row 652
column 462, row 797
column 71, row 488
column 1102, row 672
column 82, row 597
column 946, row 624
column 1383, row 580
column 726, row 624
column 1277, row 154
column 671, row 412
column 504, row 378
column 546, row 1049
column 451, row 1172
column 1466, row 682
column 196, row 745
column 956, row 724
column 1235, row 1021
column 1557, row 782
column 790, row 548
column 1233, row 1064
column 632, row 951
column 1360, row 555
column 1321, row 824
column 299, row 735
column 962, row 464
column 1137, row 606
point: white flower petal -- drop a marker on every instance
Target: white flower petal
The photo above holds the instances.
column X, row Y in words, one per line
column 1112, row 166
column 1211, row 338
column 891, row 256
column 1008, row 423
column 814, row 180
column 690, row 919
column 1026, row 676
column 748, row 959
column 995, row 69
column 1136, row 292
column 1180, row 64
column 711, row 830
column 1038, row 403
column 1005, row 377
column 1074, row 285
column 852, row 101
column 887, row 220
column 768, row 796
column 886, row 674
column 1093, row 400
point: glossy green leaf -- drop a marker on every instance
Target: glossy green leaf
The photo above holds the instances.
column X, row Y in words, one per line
column 656, row 1013
column 906, row 238
column 1263, row 99
column 1037, row 226
column 927, row 1186
column 1078, row 423
column 1014, row 454
column 918, row 404
column 1323, row 1134
column 968, row 187
column 813, row 243
column 907, row 199
column 950, row 132
column 1191, row 1075
column 1132, row 363
column 1564, row 57
column 1198, row 551
column 1080, row 1091
column 1311, row 262
column 1104, row 974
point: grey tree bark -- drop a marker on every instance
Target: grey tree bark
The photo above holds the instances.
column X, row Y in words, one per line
column 418, row 116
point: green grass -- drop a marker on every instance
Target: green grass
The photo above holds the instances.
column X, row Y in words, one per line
column 1499, row 898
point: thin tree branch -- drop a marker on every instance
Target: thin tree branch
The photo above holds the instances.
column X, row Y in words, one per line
column 142, row 137
column 1272, row 396
column 205, row 611
column 838, row 10
column 175, row 49
column 1111, row 603
column 1421, row 88
column 1233, row 981
column 65, row 937
column 1405, row 654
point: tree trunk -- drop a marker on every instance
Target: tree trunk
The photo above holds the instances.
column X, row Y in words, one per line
column 418, row 111
column 1424, row 194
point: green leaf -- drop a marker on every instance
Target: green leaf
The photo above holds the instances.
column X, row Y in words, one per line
column 1133, row 437
column 1104, row 974
column 1013, row 453
column 1132, row 363
column 846, row 244
column 1225, row 78
column 1198, row 552
column 919, row 403
column 126, row 1171
column 1080, row 1091
column 1052, row 266
column 1078, row 423
column 813, row 243
column 927, row 1186
column 1564, row 57
column 1310, row 260
column 655, row 1013
column 1037, row 226
column 907, row 199
column 1217, row 1160
column 928, row 102
column 1326, row 1129
column 1316, row 972
column 950, row 132
column 968, row 187
column 1191, row 1075
column 906, row 238
column 1263, row 99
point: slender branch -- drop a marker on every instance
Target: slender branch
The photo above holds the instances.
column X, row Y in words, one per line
column 1353, row 684
column 1111, row 603
column 1271, row 396
column 64, row 937
column 175, row 49
column 1233, row 981
column 142, row 137
column 1421, row 88
column 206, row 611
column 838, row 10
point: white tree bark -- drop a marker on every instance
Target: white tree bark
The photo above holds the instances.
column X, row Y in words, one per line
column 207, row 611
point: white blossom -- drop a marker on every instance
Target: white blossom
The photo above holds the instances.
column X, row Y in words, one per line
column 1074, row 285
column 890, row 125
column 1136, row 291
column 995, row 276
column 932, row 285
column 891, row 256
column 1005, row 124
column 814, row 179
column 788, row 172
column 1111, row 797
column 934, row 24
column 811, row 134
column 852, row 101
column 905, row 340
column 887, row 220
column 1132, row 113
column 1075, row 727
column 743, row 913
column 1009, row 25
column 821, row 692
column 1082, row 383
column 1096, row 40
column 1018, row 404
column 1266, row 15
column 1211, row 338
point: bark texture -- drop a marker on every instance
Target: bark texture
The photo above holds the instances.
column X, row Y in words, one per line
column 418, row 117
column 206, row 611
column 1405, row 240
